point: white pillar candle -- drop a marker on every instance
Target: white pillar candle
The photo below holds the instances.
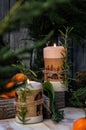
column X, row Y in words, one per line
column 54, row 52
column 33, row 102
column 53, row 62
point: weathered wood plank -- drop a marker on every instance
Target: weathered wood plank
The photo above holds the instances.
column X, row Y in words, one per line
column 12, row 2
column 21, row 39
column 4, row 7
column 79, row 57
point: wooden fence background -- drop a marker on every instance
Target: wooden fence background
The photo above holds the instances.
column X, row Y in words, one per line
column 78, row 53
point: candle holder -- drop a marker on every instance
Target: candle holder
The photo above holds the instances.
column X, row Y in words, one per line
column 29, row 103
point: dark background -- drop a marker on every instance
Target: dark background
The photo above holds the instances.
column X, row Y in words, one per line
column 78, row 52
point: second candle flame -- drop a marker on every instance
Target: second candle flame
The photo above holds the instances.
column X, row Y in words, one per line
column 28, row 81
column 54, row 45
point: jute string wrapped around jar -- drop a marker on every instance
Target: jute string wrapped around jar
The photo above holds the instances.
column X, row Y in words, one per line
column 29, row 110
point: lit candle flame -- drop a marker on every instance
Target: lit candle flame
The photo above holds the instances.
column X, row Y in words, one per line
column 28, row 81
column 54, row 45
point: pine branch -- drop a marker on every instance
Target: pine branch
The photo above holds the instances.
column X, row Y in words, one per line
column 7, row 58
column 78, row 98
column 5, row 23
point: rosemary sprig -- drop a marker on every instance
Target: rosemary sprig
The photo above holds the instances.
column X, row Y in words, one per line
column 22, row 114
column 22, row 109
column 66, row 64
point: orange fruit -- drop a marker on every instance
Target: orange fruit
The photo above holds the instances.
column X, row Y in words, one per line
column 19, row 77
column 10, row 84
column 80, row 124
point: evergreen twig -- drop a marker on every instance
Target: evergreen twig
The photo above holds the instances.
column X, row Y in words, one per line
column 5, row 22
column 66, row 64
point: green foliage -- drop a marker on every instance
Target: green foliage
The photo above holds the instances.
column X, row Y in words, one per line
column 46, row 15
column 81, row 79
column 57, row 115
column 22, row 108
column 78, row 98
column 25, row 70
column 66, row 62
column 41, row 17
column 22, row 113
column 23, row 92
column 78, row 95
column 5, row 22
column 48, row 89
column 65, row 36
column 8, row 58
